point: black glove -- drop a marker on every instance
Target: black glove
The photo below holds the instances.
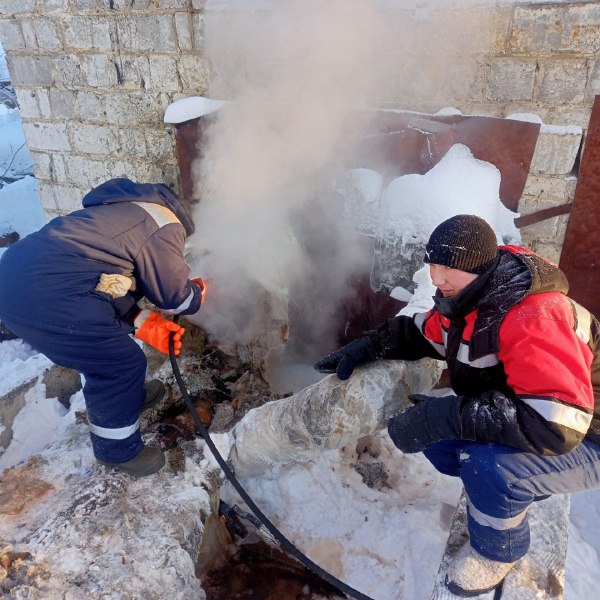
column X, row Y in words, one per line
column 430, row 420
column 344, row 360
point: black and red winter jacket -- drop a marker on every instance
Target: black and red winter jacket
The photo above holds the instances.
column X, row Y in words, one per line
column 513, row 330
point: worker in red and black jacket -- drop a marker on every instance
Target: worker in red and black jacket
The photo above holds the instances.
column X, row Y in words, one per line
column 71, row 291
column 524, row 365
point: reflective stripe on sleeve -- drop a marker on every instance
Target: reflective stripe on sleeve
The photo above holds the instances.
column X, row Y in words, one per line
column 494, row 522
column 584, row 322
column 489, row 360
column 119, row 433
column 419, row 320
column 567, row 416
column 183, row 306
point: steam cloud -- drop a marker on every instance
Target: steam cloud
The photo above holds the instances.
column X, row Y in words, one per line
column 269, row 224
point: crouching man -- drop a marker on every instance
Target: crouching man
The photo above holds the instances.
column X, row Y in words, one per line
column 71, row 289
column 524, row 363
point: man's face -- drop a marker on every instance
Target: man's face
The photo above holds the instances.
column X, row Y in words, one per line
column 450, row 281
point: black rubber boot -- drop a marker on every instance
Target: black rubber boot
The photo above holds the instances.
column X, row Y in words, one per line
column 150, row 460
column 155, row 393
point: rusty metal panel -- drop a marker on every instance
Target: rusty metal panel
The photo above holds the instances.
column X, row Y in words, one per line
column 401, row 143
column 580, row 258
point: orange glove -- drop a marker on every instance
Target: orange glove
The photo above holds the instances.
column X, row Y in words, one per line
column 202, row 285
column 154, row 330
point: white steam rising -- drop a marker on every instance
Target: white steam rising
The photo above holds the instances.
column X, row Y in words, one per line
column 269, row 219
column 269, row 224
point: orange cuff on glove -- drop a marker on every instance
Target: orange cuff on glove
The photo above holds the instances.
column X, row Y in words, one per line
column 155, row 330
column 202, row 285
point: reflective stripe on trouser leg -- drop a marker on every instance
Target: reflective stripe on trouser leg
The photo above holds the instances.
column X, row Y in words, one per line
column 115, row 433
column 113, row 395
column 502, row 482
column 114, row 368
column 497, row 505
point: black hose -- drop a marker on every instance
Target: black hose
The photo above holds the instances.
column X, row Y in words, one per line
column 283, row 541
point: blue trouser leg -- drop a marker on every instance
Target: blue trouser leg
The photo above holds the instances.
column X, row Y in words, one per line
column 114, row 368
column 502, row 482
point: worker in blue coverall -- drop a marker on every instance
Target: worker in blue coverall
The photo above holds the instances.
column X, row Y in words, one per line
column 71, row 290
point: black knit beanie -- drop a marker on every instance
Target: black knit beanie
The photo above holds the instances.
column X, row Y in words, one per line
column 464, row 242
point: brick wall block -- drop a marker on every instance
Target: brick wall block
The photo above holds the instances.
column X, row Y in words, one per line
column 544, row 230
column 93, row 139
column 198, row 30
column 85, row 172
column 62, row 103
column 34, row 71
column 562, row 81
column 142, row 33
column 555, row 154
column 29, row 33
column 89, row 33
column 100, row 71
column 133, row 142
column 537, row 29
column 46, row 136
column 16, row 7
column 47, row 196
column 11, row 34
column 43, row 165
column 594, row 80
column 546, row 237
column 132, row 6
column 68, row 72
column 136, row 109
column 90, row 106
column 52, row 5
column 91, row 4
column 549, row 250
column 60, row 199
column 194, row 74
column 28, row 106
column 67, row 197
column 577, row 116
column 46, row 34
column 59, row 169
column 555, row 190
column 133, row 71
column 183, row 27
column 43, row 98
column 160, row 144
column 163, row 74
column 583, row 28
column 174, row 3
column 511, row 79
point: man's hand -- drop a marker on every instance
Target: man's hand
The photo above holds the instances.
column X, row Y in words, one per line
column 430, row 420
column 344, row 360
column 153, row 329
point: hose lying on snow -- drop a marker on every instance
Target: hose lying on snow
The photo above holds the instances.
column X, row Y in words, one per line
column 356, row 424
